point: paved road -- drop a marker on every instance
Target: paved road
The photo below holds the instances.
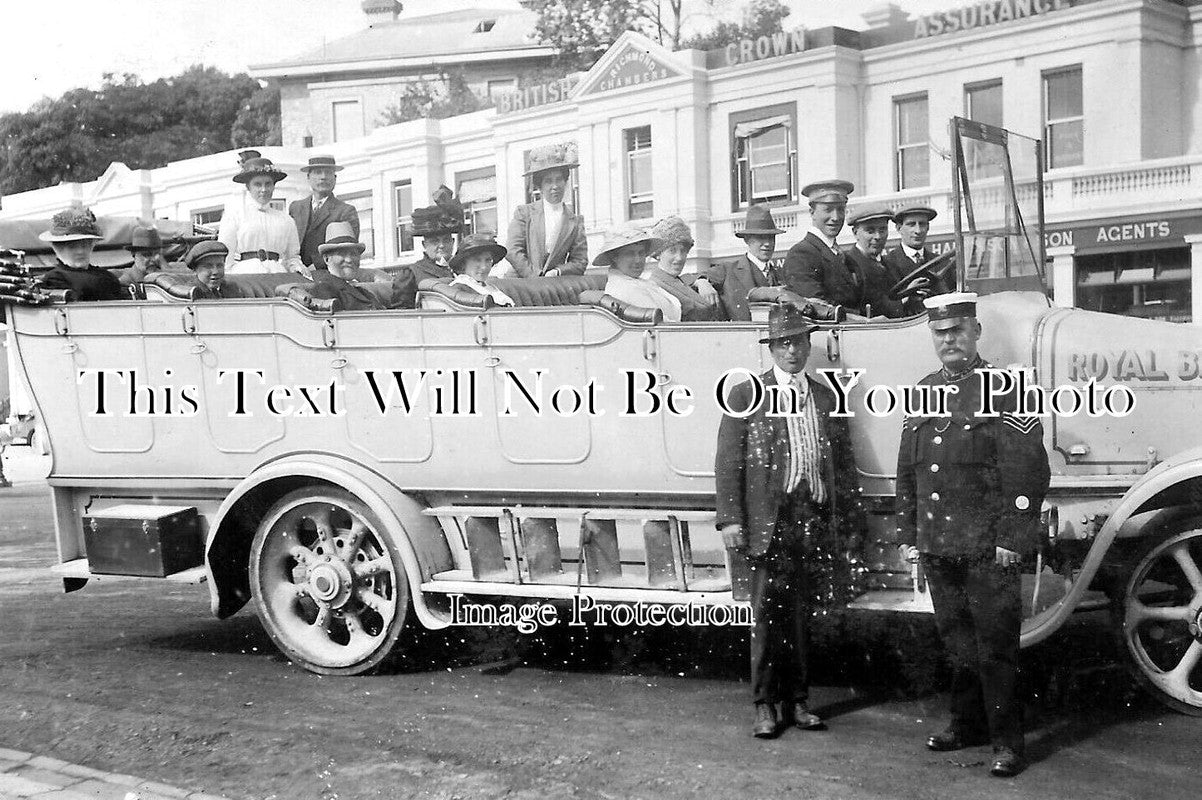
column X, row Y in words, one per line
column 135, row 677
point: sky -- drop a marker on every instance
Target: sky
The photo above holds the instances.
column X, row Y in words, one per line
column 69, row 43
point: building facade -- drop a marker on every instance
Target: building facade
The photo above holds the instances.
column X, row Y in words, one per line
column 1111, row 86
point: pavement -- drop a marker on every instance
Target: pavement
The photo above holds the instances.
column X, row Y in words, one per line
column 25, row 775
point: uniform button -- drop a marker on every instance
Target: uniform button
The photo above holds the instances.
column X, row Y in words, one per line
column 935, row 496
column 938, row 440
column 968, row 427
column 934, row 468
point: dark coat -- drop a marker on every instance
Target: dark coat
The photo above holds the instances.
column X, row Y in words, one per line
column 311, row 228
column 427, row 269
column 753, row 457
column 902, row 265
column 527, row 246
column 967, row 483
column 812, row 270
column 875, row 280
column 93, row 283
column 733, row 281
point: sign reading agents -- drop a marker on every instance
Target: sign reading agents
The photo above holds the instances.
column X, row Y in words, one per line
column 978, row 15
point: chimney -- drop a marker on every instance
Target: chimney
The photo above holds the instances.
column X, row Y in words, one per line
column 381, row 10
column 884, row 16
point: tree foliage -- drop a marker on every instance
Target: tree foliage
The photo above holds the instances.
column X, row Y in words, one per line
column 760, row 18
column 144, row 125
column 446, row 96
column 580, row 30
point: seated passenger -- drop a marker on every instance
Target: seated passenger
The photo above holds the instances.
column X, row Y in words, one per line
column 874, row 278
column 73, row 233
column 478, row 252
column 207, row 261
column 146, row 247
column 676, row 240
column 342, row 251
column 754, row 268
column 437, row 225
column 624, row 251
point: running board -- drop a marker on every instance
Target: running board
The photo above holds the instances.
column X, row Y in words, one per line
column 79, row 568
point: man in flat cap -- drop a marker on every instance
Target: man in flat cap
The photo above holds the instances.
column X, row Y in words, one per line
column 913, row 224
column 814, row 267
column 546, row 237
column 782, row 479
column 732, row 281
column 870, row 225
column 314, row 213
column 969, row 492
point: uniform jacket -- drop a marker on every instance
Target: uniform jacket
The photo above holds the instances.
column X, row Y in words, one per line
column 527, row 243
column 901, row 264
column 875, row 279
column 733, row 282
column 93, row 283
column 812, row 270
column 426, row 268
column 968, row 483
column 311, row 228
column 752, row 461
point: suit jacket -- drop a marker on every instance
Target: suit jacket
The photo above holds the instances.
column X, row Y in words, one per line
column 425, row 268
column 733, row 282
column 876, row 279
column 902, row 265
column 527, row 243
column 812, row 270
column 753, row 458
column 311, row 228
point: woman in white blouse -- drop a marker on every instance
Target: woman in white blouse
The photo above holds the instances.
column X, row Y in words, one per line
column 260, row 238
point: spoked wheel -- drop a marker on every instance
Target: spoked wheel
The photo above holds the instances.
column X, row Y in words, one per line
column 329, row 588
column 1162, row 621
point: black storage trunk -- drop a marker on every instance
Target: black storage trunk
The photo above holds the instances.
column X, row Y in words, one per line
column 146, row 540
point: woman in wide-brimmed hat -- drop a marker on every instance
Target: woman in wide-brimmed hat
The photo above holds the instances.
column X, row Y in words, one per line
column 546, row 237
column 260, row 238
column 624, row 251
column 676, row 240
column 73, row 233
column 477, row 254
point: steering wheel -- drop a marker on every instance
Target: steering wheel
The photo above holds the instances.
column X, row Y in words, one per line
column 903, row 289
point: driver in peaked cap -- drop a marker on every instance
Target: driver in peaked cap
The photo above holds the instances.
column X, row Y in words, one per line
column 814, row 267
column 969, row 492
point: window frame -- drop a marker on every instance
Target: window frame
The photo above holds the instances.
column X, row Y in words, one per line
column 215, row 224
column 355, row 101
column 472, row 208
column 741, row 169
column 900, row 149
column 1049, row 123
column 370, row 228
column 977, row 86
column 635, row 154
column 401, row 222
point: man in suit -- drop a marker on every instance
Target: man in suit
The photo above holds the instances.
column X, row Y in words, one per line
column 913, row 224
column 871, row 228
column 316, row 212
column 814, row 267
column 969, row 492
column 781, row 478
column 732, row 281
column 546, row 237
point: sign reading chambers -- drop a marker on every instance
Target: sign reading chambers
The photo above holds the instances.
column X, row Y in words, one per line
column 978, row 15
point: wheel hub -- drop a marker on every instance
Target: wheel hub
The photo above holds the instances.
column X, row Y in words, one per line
column 1195, row 627
column 330, row 582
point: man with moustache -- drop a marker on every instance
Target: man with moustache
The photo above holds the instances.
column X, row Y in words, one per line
column 814, row 267
column 146, row 247
column 314, row 214
column 969, row 492
column 871, row 228
column 731, row 282
column 437, row 225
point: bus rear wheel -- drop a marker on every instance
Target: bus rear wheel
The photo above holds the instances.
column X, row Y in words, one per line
column 327, row 582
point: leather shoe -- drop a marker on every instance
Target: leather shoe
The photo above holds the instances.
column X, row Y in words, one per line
column 1006, row 763
column 799, row 716
column 951, row 739
column 765, row 721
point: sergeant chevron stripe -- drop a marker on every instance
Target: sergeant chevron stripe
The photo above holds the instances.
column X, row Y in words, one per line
column 1022, row 424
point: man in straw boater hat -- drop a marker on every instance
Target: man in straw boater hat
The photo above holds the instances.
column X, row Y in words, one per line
column 146, row 247
column 814, row 267
column 313, row 213
column 546, row 237
column 784, row 475
column 969, row 492
column 437, row 225
column 73, row 234
column 342, row 252
column 733, row 281
column 913, row 223
column 624, row 251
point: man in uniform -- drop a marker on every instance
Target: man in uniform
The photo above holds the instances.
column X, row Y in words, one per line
column 437, row 225
column 814, row 267
column 969, row 491
column 913, row 224
column 314, row 214
column 731, row 282
column 780, row 479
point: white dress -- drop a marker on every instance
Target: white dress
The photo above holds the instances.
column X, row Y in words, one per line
column 498, row 297
column 642, row 293
column 249, row 227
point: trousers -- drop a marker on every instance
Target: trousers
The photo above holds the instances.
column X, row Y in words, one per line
column 978, row 612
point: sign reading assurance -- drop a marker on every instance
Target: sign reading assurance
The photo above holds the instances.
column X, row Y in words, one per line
column 978, row 15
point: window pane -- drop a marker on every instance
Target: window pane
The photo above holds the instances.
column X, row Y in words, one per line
column 1064, row 94
column 985, row 104
column 641, row 210
column 915, row 168
column 771, row 146
column 404, row 199
column 348, row 120
column 403, row 193
column 1066, row 145
column 912, row 121
column 476, row 190
column 769, row 181
column 640, row 173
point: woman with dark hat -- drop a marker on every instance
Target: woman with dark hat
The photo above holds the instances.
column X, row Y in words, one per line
column 477, row 254
column 259, row 238
column 73, row 233
column 546, row 237
column 624, row 251
column 676, row 240
column 437, row 225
